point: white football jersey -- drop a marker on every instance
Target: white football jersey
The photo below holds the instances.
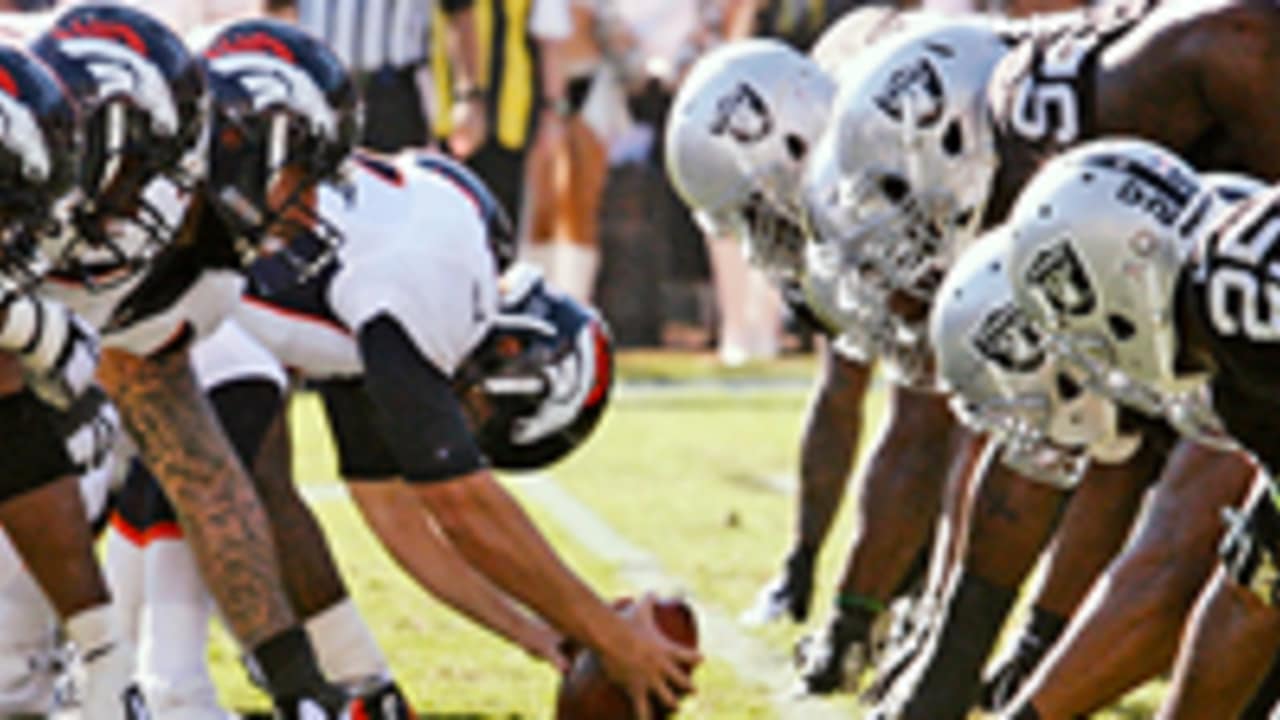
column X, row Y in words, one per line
column 415, row 247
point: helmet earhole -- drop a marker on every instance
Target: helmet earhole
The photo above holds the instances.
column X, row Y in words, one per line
column 1068, row 389
column 1121, row 327
column 894, row 187
column 797, row 148
column 953, row 139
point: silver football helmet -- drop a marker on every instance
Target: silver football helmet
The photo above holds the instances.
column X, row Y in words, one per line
column 864, row 331
column 994, row 360
column 904, row 169
column 1099, row 238
column 739, row 132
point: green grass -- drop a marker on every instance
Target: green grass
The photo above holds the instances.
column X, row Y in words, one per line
column 692, row 477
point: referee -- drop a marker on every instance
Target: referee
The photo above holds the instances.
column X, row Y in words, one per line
column 384, row 43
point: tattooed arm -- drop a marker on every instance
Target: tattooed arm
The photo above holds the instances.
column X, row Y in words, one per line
column 180, row 439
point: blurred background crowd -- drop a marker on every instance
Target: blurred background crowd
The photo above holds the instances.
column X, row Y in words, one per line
column 559, row 105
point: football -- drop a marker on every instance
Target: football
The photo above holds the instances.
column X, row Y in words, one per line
column 586, row 692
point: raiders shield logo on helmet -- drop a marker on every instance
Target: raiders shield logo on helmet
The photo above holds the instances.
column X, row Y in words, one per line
column 1007, row 338
column 914, row 92
column 743, row 115
column 1058, row 276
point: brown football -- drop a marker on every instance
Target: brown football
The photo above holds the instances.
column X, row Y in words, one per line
column 586, row 692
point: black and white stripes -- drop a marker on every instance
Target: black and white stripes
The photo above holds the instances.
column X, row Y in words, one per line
column 371, row 34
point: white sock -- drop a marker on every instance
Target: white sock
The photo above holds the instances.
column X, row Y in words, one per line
column 173, row 667
column 575, row 270
column 123, row 567
column 105, row 660
column 540, row 254
column 345, row 648
column 28, row 650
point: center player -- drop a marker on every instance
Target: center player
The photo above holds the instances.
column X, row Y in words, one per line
column 406, row 313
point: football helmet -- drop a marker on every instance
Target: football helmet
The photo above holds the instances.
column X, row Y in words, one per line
column 40, row 143
column 902, row 173
column 994, row 361
column 143, row 99
column 284, row 110
column 545, row 372
column 1099, row 237
column 739, row 131
column 854, row 313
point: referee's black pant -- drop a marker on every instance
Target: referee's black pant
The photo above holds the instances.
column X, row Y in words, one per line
column 394, row 116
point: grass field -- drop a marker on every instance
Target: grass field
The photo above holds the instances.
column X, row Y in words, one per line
column 692, row 467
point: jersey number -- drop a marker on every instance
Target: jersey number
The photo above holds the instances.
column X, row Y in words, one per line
column 1250, row 279
column 1048, row 93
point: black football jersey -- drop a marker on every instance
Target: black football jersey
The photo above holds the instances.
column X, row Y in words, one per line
column 1041, row 94
column 1233, row 285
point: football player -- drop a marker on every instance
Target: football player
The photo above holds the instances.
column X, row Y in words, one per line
column 745, row 186
column 31, row 656
column 1007, row 383
column 152, row 268
column 1053, row 89
column 392, row 325
column 47, row 359
column 541, row 339
column 1149, row 298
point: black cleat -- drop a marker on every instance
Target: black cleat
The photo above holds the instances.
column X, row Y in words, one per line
column 790, row 593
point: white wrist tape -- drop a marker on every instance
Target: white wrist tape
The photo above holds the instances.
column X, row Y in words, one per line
column 23, row 320
column 39, row 329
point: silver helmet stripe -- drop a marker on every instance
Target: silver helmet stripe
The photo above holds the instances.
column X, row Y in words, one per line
column 270, row 80
column 23, row 137
column 118, row 69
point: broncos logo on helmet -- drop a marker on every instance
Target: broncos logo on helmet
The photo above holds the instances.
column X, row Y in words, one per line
column 544, row 374
column 39, row 152
column 145, row 105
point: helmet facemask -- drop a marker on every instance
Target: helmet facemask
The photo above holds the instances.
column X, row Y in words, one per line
column 139, row 178
column 39, row 171
column 265, row 189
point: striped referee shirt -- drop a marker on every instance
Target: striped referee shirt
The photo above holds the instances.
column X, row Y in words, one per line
column 371, row 34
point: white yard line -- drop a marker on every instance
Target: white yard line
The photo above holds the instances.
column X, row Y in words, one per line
column 752, row 659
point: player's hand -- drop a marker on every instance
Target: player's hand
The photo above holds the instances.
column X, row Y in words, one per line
column 470, row 126
column 61, row 365
column 546, row 644
column 647, row 664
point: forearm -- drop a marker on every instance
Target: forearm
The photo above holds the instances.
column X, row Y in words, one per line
column 552, row 69
column 1013, row 519
column 830, row 438
column 1094, row 526
column 464, row 51
column 740, row 19
column 1127, row 628
column 422, row 550
column 179, row 438
column 496, row 536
